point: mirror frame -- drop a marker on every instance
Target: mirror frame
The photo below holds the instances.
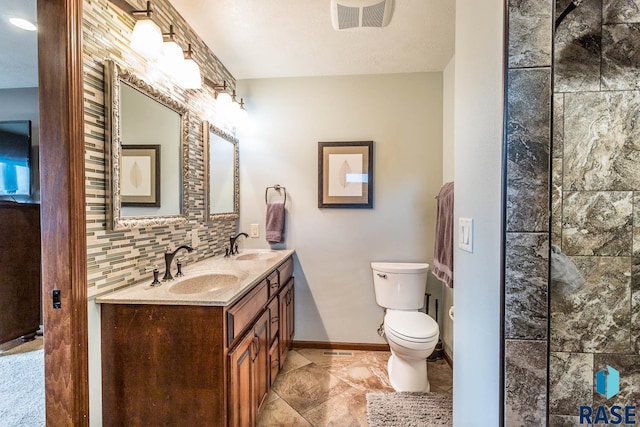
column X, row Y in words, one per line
column 114, row 75
column 206, row 128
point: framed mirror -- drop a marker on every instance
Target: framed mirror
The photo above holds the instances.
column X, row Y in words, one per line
column 221, row 165
column 146, row 153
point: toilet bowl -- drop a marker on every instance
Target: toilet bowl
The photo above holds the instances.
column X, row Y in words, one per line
column 412, row 335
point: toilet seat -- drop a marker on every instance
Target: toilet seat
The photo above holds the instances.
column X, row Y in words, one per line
column 413, row 327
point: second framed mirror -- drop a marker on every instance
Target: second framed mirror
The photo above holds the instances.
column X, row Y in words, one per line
column 222, row 187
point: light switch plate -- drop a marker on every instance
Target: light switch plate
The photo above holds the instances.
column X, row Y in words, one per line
column 255, row 230
column 465, row 234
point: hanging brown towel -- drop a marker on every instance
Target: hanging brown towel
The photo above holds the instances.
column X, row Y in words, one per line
column 443, row 248
column 275, row 222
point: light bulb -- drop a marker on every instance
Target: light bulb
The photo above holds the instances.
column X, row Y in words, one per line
column 147, row 39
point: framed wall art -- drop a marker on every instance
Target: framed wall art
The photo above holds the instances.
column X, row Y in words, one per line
column 345, row 174
column 140, row 175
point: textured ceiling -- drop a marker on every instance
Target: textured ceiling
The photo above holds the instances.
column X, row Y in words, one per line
column 285, row 38
column 276, row 38
column 18, row 48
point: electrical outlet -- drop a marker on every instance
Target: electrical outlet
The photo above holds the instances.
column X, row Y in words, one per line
column 255, row 230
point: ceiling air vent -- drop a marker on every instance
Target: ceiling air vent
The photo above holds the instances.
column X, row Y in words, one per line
column 347, row 14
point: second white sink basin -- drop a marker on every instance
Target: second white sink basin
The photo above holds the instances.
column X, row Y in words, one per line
column 256, row 256
column 205, row 283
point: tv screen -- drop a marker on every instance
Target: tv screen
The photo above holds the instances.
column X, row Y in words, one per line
column 15, row 155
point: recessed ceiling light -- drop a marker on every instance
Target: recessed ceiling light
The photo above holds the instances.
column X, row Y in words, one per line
column 23, row 23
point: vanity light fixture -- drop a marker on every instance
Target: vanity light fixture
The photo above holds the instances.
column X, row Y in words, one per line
column 172, row 60
column 242, row 115
column 23, row 24
column 227, row 105
column 223, row 99
column 190, row 76
column 147, row 36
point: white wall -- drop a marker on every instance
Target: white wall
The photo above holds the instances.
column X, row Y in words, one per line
column 22, row 104
column 478, row 170
column 402, row 114
column 448, row 171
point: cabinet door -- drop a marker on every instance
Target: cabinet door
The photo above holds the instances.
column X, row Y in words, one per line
column 290, row 313
column 241, row 383
column 286, row 321
column 261, row 368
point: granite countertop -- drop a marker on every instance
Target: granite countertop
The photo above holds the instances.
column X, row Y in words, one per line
column 249, row 272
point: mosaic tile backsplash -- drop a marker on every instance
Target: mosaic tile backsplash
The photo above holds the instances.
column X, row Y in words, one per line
column 119, row 258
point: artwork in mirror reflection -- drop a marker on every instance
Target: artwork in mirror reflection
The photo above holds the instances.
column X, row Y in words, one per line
column 146, row 154
column 222, row 187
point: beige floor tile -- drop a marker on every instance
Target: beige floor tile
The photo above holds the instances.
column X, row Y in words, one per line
column 277, row 413
column 307, row 387
column 440, row 375
column 320, row 391
column 364, row 377
column 348, row 409
column 293, row 361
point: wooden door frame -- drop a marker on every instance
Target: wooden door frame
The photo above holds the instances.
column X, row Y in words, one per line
column 63, row 218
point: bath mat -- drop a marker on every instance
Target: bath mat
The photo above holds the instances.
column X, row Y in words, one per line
column 409, row 410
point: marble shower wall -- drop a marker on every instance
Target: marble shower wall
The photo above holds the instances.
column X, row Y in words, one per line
column 528, row 144
column 595, row 189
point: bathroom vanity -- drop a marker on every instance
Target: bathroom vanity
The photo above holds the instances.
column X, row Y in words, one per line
column 191, row 353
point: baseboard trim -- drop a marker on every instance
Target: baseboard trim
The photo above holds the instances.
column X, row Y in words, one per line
column 341, row 345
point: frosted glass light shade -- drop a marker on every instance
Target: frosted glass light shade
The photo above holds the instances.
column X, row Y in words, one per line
column 147, row 39
column 172, row 60
column 190, row 78
column 242, row 117
column 223, row 102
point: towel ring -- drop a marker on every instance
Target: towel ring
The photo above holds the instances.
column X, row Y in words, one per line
column 276, row 187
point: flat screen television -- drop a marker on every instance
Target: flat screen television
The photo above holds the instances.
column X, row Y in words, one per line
column 15, row 158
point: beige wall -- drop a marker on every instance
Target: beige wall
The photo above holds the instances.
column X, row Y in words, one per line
column 478, row 177
column 448, row 170
column 402, row 114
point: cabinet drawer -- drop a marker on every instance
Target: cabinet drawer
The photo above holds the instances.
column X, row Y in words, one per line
column 286, row 271
column 274, row 319
column 273, row 283
column 274, row 360
column 240, row 315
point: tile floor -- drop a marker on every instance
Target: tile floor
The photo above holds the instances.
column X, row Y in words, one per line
column 315, row 389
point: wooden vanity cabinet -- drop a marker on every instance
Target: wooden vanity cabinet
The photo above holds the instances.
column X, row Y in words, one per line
column 249, row 372
column 196, row 365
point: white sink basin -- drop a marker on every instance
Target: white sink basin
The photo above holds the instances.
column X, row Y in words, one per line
column 205, row 283
column 256, row 256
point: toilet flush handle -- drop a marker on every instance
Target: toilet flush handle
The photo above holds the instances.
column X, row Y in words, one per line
column 384, row 276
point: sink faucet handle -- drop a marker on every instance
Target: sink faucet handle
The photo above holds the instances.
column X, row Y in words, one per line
column 179, row 265
column 156, row 272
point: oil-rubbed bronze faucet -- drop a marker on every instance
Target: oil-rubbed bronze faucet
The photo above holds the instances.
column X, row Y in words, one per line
column 233, row 246
column 168, row 259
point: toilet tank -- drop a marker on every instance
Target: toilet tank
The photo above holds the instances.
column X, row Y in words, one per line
column 400, row 285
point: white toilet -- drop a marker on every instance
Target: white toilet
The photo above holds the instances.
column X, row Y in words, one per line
column 412, row 335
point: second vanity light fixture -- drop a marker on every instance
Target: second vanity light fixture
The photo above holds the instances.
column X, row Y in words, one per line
column 227, row 104
column 148, row 40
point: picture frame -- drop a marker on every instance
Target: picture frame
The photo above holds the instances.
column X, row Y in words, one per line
column 140, row 175
column 345, row 174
